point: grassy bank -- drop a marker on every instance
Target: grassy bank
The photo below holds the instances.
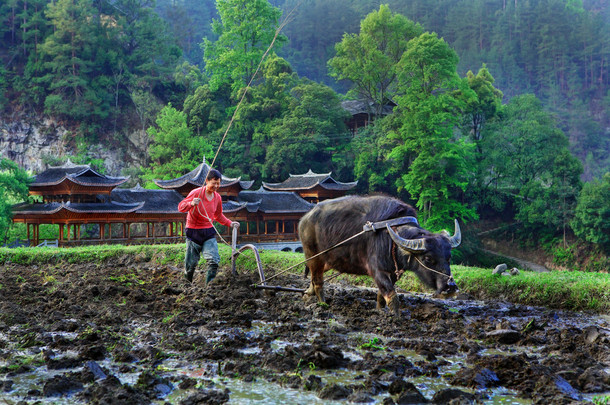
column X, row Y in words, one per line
column 572, row 290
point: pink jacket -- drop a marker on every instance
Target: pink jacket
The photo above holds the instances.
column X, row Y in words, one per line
column 196, row 217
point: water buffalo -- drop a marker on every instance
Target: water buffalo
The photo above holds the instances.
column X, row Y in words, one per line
column 374, row 253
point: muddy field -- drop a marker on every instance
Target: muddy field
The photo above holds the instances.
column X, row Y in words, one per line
column 133, row 332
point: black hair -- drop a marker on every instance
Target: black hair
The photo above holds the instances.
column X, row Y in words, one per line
column 213, row 174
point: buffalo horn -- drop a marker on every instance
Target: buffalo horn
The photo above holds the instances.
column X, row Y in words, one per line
column 410, row 245
column 456, row 239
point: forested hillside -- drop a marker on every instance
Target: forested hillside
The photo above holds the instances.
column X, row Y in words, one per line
column 497, row 108
column 556, row 49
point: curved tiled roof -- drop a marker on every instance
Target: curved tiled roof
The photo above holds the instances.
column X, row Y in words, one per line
column 197, row 177
column 274, row 201
column 310, row 180
column 81, row 208
column 234, row 206
column 80, row 174
column 153, row 201
column 26, row 208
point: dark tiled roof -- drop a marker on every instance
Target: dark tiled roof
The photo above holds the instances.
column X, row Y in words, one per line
column 365, row 107
column 153, row 201
column 234, row 206
column 82, row 208
column 109, row 207
column 25, row 208
column 309, row 180
column 274, row 201
column 121, row 200
column 197, row 178
column 79, row 174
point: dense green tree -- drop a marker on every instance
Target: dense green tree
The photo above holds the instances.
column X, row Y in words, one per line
column 206, row 110
column 369, row 59
column 245, row 30
column 316, row 26
column 434, row 166
column 264, row 104
column 175, row 150
column 13, row 188
column 70, row 57
column 527, row 156
column 484, row 106
column 3, row 86
column 309, row 135
column 189, row 22
column 592, row 215
column 372, row 168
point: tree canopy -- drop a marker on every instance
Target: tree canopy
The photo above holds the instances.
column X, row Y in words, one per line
column 13, row 188
column 370, row 58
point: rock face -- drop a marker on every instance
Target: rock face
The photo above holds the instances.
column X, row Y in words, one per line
column 30, row 141
column 27, row 142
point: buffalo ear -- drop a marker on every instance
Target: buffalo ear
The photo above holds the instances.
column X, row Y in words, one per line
column 410, row 245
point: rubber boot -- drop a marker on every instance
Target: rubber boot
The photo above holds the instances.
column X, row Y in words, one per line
column 212, row 270
column 188, row 274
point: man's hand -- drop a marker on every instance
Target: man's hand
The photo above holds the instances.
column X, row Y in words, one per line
column 195, row 201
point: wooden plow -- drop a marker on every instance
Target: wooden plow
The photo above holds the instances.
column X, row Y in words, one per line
column 259, row 265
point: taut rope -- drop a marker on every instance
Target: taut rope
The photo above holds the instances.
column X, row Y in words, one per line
column 283, row 24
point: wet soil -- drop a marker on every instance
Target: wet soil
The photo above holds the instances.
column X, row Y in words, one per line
column 76, row 331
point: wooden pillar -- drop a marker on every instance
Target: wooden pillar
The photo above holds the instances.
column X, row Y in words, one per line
column 37, row 234
column 247, row 227
column 102, row 226
column 79, row 226
column 265, row 227
column 128, row 231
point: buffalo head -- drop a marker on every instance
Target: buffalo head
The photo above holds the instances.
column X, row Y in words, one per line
column 428, row 255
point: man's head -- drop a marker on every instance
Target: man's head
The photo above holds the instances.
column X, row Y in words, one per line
column 212, row 180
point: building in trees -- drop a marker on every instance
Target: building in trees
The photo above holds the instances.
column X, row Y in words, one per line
column 311, row 186
column 363, row 113
column 88, row 208
column 267, row 216
column 229, row 187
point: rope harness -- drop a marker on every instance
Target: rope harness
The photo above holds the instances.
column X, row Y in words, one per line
column 368, row 227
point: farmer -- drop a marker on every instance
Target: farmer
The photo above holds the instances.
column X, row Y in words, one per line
column 203, row 206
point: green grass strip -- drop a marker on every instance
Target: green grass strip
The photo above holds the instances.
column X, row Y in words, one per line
column 572, row 290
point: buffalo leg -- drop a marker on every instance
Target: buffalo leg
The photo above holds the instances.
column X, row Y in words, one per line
column 316, row 287
column 393, row 304
column 380, row 300
column 386, row 290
